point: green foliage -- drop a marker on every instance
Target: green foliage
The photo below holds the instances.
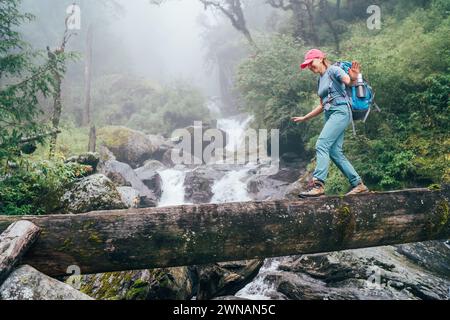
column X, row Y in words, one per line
column 274, row 90
column 407, row 64
column 34, row 188
column 26, row 77
column 139, row 104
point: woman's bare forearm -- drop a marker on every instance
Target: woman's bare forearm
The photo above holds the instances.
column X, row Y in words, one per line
column 315, row 112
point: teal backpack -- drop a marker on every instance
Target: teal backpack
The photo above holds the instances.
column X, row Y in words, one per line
column 360, row 107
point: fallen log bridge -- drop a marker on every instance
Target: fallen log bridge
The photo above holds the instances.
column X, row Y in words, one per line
column 206, row 233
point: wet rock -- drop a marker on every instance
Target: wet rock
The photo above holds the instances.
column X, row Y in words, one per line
column 263, row 188
column 154, row 284
column 227, row 298
column 430, row 255
column 26, row 283
column 198, row 184
column 153, row 165
column 370, row 273
column 128, row 146
column 271, row 184
column 123, row 175
column 150, row 177
column 227, row 278
column 95, row 192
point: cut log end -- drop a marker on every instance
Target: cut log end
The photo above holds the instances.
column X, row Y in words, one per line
column 14, row 242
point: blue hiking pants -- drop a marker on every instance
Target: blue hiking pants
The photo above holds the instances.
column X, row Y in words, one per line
column 330, row 142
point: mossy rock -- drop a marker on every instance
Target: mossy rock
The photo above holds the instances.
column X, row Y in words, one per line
column 129, row 146
column 155, row 284
column 93, row 193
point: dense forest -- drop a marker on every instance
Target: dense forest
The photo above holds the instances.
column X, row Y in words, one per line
column 406, row 62
column 91, row 93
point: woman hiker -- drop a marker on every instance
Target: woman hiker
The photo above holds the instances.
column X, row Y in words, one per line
column 337, row 118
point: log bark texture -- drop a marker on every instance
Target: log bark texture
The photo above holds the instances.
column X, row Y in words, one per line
column 205, row 233
column 14, row 242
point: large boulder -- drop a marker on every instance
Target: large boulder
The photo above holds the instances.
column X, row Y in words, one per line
column 155, row 284
column 95, row 192
column 161, row 144
column 225, row 278
column 123, row 175
column 129, row 146
column 26, row 283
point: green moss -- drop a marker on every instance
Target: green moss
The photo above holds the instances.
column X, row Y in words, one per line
column 443, row 212
column 114, row 137
column 439, row 219
column 109, row 288
column 95, row 238
column 87, row 225
column 66, row 244
column 434, row 186
column 138, row 290
column 345, row 224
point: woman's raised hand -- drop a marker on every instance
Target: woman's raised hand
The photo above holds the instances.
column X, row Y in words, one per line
column 354, row 70
column 299, row 119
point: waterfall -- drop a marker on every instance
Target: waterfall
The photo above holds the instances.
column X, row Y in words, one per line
column 172, row 187
column 231, row 187
column 235, row 129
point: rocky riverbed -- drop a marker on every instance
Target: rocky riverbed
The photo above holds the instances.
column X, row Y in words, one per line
column 134, row 170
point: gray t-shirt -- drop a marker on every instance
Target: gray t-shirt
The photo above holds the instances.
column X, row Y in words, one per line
column 324, row 85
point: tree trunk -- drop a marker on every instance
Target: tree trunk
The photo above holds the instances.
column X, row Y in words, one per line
column 56, row 117
column 88, row 78
column 206, row 233
column 325, row 13
column 92, row 139
column 14, row 242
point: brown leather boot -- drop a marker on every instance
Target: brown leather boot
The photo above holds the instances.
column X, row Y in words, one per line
column 360, row 188
column 315, row 188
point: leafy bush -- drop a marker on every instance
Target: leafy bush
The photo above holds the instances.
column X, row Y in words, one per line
column 35, row 188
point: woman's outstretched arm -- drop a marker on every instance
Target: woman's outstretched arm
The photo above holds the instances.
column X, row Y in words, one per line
column 316, row 111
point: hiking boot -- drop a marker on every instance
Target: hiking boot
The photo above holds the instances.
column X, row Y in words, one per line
column 315, row 188
column 360, row 188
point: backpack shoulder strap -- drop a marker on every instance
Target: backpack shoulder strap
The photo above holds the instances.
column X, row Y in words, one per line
column 338, row 87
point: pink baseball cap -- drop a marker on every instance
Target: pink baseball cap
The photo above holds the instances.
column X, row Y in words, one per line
column 310, row 55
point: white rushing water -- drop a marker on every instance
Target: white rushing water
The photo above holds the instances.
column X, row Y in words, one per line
column 260, row 288
column 172, row 187
column 235, row 129
column 231, row 187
